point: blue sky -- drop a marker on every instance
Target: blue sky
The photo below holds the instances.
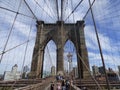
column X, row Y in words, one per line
column 106, row 13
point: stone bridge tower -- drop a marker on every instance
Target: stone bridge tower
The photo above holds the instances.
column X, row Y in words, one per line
column 59, row 33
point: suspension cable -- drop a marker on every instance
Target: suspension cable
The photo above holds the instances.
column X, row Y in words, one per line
column 16, row 12
column 82, row 59
column 62, row 3
column 44, row 10
column 88, row 9
column 11, row 29
column 108, row 86
column 49, row 55
column 74, row 10
column 15, row 46
column 26, row 47
column 30, row 9
column 89, row 71
column 51, row 10
column 57, row 9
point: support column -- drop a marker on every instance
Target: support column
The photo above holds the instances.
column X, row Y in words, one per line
column 80, row 67
column 39, row 71
column 83, row 65
column 38, row 54
column 37, row 65
column 60, row 64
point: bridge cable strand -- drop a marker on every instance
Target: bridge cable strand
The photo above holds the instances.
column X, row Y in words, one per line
column 96, row 82
column 110, row 12
column 16, row 46
column 48, row 51
column 51, row 10
column 73, row 20
column 11, row 29
column 27, row 42
column 57, row 9
column 76, row 40
column 16, row 12
column 110, row 6
column 88, row 10
column 65, row 7
column 74, row 9
column 62, row 5
column 27, row 46
column 30, row 9
column 95, row 28
column 111, row 46
column 82, row 59
column 44, row 10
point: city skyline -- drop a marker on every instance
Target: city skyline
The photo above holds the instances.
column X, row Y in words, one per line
column 109, row 40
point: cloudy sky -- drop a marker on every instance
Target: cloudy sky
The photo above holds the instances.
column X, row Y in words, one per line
column 22, row 27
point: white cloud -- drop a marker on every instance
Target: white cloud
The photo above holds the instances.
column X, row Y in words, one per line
column 22, row 27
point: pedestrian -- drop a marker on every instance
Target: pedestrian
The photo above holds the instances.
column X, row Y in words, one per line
column 84, row 88
column 63, row 85
column 67, row 85
column 59, row 86
column 52, row 86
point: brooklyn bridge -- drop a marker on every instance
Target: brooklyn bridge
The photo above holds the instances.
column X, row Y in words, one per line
column 59, row 45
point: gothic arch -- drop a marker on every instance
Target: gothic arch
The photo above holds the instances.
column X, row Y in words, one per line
column 49, row 59
column 73, row 32
column 48, row 40
column 72, row 50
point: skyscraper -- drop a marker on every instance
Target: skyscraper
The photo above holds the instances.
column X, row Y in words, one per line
column 119, row 70
column 95, row 70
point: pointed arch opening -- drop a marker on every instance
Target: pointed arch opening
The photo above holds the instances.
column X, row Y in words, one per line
column 70, row 59
column 49, row 62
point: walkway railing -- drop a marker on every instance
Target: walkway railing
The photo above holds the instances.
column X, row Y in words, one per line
column 38, row 86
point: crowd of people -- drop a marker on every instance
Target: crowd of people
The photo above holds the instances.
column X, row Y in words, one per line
column 61, row 83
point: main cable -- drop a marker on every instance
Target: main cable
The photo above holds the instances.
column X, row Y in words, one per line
column 108, row 85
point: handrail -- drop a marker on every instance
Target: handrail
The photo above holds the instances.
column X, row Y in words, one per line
column 38, row 86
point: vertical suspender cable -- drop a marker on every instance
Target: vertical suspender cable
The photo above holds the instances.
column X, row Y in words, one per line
column 108, row 86
column 57, row 9
column 74, row 9
column 83, row 60
column 62, row 10
column 13, row 26
column 88, row 9
column 26, row 46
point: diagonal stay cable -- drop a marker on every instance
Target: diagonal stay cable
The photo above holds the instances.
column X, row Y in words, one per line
column 15, row 46
column 48, row 51
column 51, row 10
column 11, row 29
column 16, row 12
column 100, row 49
column 79, row 56
column 30, row 9
column 96, row 82
column 44, row 10
column 25, row 51
column 26, row 46
column 88, row 9
column 74, row 10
